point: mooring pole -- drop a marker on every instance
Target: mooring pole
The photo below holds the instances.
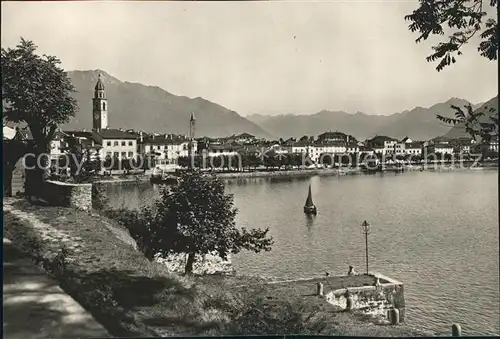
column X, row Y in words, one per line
column 456, row 330
column 366, row 230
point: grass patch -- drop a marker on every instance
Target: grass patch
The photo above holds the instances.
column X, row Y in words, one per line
column 132, row 296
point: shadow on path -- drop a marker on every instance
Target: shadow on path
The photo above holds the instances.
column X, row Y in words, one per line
column 34, row 306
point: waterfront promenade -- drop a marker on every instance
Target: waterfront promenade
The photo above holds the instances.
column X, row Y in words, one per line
column 300, row 173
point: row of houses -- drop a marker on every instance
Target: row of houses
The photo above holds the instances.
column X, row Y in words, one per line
column 340, row 143
column 167, row 148
column 103, row 141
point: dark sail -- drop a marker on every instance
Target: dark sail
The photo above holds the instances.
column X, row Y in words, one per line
column 309, row 201
column 309, row 207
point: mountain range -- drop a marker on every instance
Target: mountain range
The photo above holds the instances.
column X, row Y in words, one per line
column 152, row 109
column 489, row 108
column 419, row 123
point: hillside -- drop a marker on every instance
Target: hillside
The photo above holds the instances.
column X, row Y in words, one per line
column 459, row 130
column 359, row 125
column 419, row 123
column 152, row 109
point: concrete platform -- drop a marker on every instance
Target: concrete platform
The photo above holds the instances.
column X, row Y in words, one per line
column 34, row 306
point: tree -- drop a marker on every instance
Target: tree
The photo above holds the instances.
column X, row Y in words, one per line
column 326, row 159
column 183, row 161
column 304, row 138
column 36, row 91
column 126, row 165
column 466, row 17
column 480, row 123
column 81, row 165
column 253, row 160
column 196, row 216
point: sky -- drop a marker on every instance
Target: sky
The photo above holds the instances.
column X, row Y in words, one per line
column 256, row 57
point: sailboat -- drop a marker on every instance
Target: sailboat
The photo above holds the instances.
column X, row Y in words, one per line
column 309, row 207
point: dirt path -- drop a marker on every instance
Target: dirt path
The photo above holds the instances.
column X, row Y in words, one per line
column 36, row 307
column 55, row 237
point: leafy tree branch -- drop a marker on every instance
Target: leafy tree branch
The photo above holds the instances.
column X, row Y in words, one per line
column 466, row 17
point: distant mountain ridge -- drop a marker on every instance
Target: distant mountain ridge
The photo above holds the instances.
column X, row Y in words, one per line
column 152, row 109
column 458, row 131
column 419, row 123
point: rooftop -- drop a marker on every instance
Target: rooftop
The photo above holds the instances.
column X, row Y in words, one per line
column 9, row 133
column 245, row 135
column 166, row 139
column 381, row 138
column 111, row 133
column 414, row 145
column 441, row 146
column 332, row 134
column 331, row 144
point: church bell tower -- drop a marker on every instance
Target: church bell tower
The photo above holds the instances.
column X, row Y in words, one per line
column 100, row 107
column 192, row 126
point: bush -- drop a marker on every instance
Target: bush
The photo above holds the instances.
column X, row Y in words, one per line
column 258, row 316
column 99, row 199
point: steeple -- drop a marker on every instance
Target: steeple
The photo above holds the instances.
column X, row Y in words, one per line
column 99, row 86
column 99, row 107
column 192, row 126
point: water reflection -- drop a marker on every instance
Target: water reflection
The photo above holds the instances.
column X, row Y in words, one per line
column 422, row 235
column 310, row 221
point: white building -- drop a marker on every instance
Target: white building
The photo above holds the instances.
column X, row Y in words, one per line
column 229, row 149
column 408, row 147
column 58, row 145
column 382, row 144
column 166, row 148
column 352, row 148
column 413, row 148
column 117, row 143
column 327, row 148
column 439, row 148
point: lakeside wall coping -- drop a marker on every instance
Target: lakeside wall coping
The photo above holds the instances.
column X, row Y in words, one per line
column 74, row 195
column 391, row 280
column 61, row 183
column 391, row 283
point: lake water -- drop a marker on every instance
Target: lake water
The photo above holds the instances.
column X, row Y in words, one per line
column 437, row 232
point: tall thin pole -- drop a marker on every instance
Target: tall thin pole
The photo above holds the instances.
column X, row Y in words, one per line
column 366, row 230
column 366, row 246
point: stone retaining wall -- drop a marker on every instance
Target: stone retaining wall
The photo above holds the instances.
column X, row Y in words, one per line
column 78, row 196
column 375, row 300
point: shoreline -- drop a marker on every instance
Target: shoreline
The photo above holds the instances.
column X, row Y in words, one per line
column 306, row 173
column 103, row 295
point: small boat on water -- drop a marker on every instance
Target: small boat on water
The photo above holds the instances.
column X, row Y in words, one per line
column 165, row 179
column 309, row 207
column 160, row 177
